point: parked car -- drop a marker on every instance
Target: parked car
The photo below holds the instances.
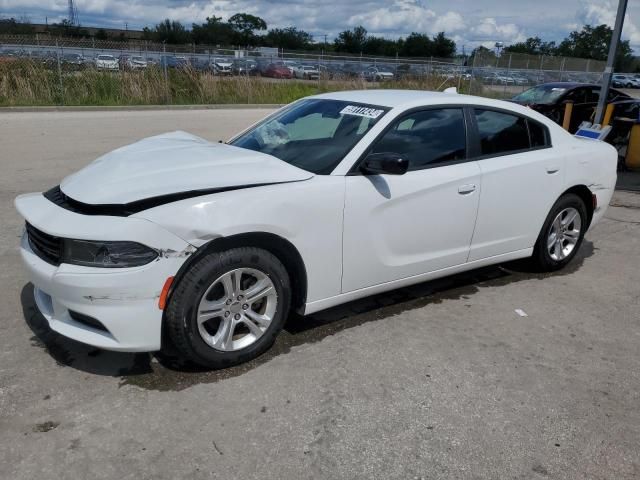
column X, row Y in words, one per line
column 303, row 211
column 407, row 70
column 221, row 66
column 275, row 70
column 378, row 74
column 73, row 61
column 550, row 98
column 199, row 64
column 245, row 67
column 107, row 62
column 331, row 71
column 134, row 62
column 170, row 61
column 353, row 70
column 622, row 81
column 496, row 78
column 306, row 72
column 290, row 64
column 519, row 79
column 635, row 81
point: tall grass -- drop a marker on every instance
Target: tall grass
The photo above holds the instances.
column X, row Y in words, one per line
column 28, row 83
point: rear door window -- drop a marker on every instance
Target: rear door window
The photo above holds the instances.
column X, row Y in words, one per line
column 538, row 134
column 501, row 132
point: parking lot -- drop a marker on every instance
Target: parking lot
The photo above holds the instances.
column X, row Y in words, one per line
column 438, row 380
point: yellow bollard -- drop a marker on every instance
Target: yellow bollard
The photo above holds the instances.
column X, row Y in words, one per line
column 632, row 159
column 568, row 110
column 608, row 114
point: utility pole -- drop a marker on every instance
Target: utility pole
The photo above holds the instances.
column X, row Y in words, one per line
column 608, row 71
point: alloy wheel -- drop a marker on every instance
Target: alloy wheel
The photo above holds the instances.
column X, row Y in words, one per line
column 564, row 234
column 237, row 309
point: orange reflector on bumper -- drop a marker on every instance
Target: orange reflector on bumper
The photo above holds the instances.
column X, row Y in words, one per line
column 162, row 301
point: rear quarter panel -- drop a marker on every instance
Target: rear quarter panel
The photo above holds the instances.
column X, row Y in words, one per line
column 593, row 163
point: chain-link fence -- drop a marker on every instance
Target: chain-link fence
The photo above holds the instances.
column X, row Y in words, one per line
column 68, row 71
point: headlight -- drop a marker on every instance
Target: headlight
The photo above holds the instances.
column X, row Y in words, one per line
column 106, row 254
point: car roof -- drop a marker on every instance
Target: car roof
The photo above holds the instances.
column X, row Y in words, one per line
column 408, row 99
column 415, row 98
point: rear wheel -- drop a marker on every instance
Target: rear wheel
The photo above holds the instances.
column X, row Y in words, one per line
column 561, row 234
column 229, row 307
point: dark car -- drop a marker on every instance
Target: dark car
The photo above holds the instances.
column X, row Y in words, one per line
column 173, row 62
column 277, row 70
column 245, row 67
column 550, row 99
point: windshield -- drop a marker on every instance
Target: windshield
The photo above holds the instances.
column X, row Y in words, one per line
column 313, row 134
column 542, row 94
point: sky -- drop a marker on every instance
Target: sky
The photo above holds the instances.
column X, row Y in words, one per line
column 469, row 22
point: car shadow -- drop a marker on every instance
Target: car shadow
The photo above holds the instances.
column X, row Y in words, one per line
column 165, row 371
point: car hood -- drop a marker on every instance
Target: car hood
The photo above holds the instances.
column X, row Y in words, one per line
column 174, row 163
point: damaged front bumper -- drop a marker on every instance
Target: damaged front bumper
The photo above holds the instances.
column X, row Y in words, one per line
column 110, row 308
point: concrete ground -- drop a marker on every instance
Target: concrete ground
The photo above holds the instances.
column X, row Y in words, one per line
column 440, row 380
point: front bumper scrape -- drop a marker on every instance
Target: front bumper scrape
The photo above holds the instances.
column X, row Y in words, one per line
column 124, row 301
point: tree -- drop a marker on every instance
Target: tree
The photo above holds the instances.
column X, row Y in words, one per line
column 244, row 26
column 533, row 46
column 289, row 38
column 351, row 41
column 12, row 26
column 443, row 47
column 101, row 34
column 170, row 31
column 147, row 34
column 213, row 32
column 66, row 29
column 417, row 45
column 593, row 42
column 380, row 46
column 481, row 57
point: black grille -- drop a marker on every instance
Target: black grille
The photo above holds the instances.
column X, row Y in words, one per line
column 47, row 247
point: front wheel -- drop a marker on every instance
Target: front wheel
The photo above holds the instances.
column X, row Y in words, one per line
column 561, row 234
column 229, row 307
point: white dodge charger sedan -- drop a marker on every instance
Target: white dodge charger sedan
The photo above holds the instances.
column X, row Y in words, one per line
column 209, row 246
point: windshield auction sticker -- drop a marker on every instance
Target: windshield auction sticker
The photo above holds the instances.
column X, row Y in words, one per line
column 361, row 111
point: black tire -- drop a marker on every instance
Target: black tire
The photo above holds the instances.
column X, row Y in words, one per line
column 180, row 314
column 541, row 258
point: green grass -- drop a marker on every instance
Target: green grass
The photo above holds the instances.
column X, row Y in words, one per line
column 27, row 83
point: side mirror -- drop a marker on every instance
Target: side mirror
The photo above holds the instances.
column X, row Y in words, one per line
column 384, row 163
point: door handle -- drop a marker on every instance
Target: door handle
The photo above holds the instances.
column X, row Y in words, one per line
column 466, row 189
column 552, row 170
